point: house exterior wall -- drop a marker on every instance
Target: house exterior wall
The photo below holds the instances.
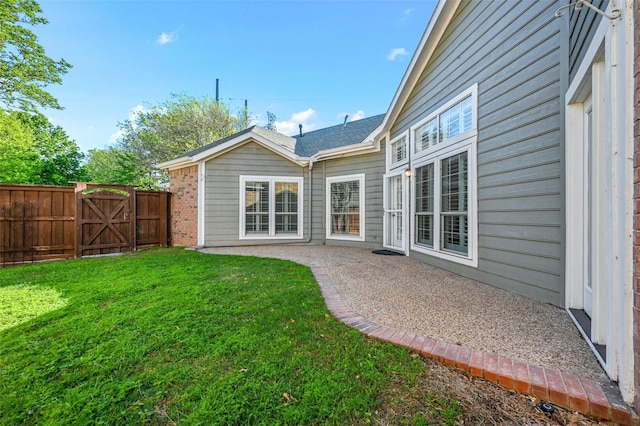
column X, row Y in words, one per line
column 636, row 222
column 372, row 166
column 512, row 53
column 222, row 192
column 184, row 206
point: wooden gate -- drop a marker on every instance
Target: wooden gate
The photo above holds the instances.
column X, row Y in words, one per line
column 104, row 220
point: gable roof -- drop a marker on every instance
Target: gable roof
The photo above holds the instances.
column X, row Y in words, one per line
column 442, row 15
column 297, row 149
column 277, row 138
column 353, row 132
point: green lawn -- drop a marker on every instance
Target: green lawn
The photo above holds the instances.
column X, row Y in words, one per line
column 167, row 336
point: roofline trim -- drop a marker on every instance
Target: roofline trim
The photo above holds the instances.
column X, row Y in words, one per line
column 435, row 29
column 240, row 140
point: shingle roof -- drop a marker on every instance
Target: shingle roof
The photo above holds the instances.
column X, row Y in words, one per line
column 350, row 133
column 286, row 142
column 309, row 143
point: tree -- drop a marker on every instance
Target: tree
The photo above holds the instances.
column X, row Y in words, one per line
column 112, row 165
column 18, row 154
column 160, row 133
column 179, row 125
column 59, row 158
column 25, row 69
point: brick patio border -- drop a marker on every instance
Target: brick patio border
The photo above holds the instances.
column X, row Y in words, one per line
column 583, row 395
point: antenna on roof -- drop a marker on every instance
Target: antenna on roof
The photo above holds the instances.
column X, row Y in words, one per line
column 345, row 120
column 300, row 127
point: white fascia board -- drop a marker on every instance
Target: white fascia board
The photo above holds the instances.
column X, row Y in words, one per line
column 249, row 137
column 346, row 151
column 176, row 163
column 437, row 25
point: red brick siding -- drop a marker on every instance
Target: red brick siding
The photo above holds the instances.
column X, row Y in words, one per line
column 184, row 206
column 636, row 221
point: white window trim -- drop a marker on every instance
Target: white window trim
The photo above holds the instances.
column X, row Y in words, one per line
column 405, row 211
column 471, row 258
column 471, row 91
column 390, row 163
column 271, row 235
column 338, row 179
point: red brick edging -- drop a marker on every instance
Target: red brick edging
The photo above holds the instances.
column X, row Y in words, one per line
column 583, row 395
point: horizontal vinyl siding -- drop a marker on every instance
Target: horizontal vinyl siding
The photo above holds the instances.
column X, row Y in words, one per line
column 222, row 189
column 582, row 27
column 511, row 50
column 373, row 166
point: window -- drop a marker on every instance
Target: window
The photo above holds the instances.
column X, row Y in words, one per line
column 455, row 199
column 345, row 205
column 398, row 149
column 271, row 207
column 445, row 125
column 444, row 213
column 424, row 205
column 442, row 204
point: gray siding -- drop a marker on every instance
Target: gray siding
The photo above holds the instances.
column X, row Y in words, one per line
column 222, row 191
column 373, row 167
column 582, row 27
column 511, row 50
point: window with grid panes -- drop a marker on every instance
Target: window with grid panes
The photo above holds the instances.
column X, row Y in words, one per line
column 345, row 200
column 271, row 207
column 446, row 125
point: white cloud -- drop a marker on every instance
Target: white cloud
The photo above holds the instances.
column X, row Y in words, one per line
column 398, row 51
column 352, row 116
column 133, row 114
column 405, row 15
column 113, row 138
column 290, row 127
column 359, row 115
column 165, row 38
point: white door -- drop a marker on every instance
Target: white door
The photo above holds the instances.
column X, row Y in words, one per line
column 394, row 212
column 588, row 209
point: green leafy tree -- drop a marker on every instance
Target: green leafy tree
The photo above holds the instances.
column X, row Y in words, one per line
column 179, row 125
column 18, row 153
column 112, row 165
column 160, row 133
column 25, row 69
column 59, row 158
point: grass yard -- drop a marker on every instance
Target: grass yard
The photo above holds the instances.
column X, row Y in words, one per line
column 167, row 336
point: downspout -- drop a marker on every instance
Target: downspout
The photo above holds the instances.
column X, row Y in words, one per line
column 324, row 198
column 308, row 240
column 408, row 232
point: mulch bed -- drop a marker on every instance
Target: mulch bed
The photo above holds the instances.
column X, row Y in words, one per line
column 482, row 402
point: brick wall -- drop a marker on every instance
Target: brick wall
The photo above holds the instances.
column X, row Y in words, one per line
column 184, row 206
column 636, row 217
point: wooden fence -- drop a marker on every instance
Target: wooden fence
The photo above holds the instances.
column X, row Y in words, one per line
column 52, row 222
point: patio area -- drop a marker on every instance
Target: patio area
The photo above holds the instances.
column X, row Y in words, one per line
column 403, row 293
column 522, row 344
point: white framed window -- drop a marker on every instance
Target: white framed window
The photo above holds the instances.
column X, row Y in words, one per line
column 449, row 124
column 271, row 207
column 345, row 207
column 397, row 151
column 444, row 191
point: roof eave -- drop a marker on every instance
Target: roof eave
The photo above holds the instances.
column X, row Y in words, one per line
column 347, row 150
column 248, row 137
column 176, row 163
column 437, row 24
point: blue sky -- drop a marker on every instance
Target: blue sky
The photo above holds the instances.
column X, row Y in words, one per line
column 308, row 62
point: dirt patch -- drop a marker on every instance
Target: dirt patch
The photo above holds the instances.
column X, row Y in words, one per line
column 428, row 401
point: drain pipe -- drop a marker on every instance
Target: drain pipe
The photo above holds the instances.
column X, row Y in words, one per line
column 308, row 240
